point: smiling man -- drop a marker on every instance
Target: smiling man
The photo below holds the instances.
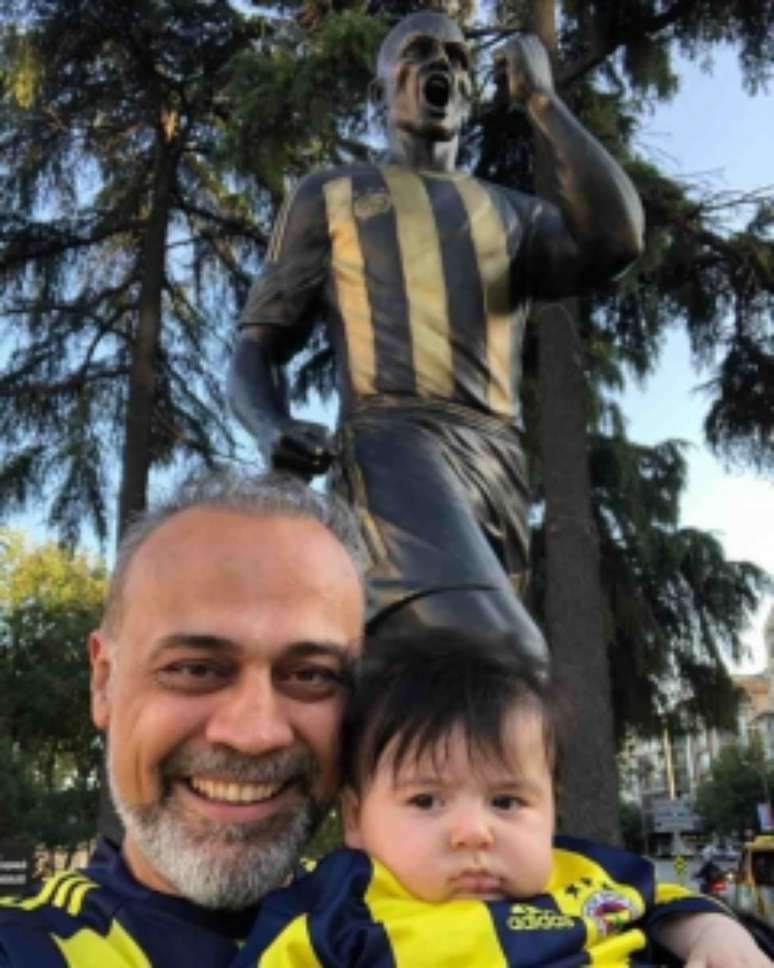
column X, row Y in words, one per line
column 219, row 676
column 425, row 277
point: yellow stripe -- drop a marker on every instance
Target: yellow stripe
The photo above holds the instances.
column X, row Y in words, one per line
column 278, row 232
column 88, row 949
column 456, row 934
column 75, row 903
column 63, row 892
column 420, row 254
column 351, row 292
column 292, row 948
column 45, row 894
column 666, row 892
column 491, row 245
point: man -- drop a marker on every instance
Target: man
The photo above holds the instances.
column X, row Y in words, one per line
column 219, row 676
column 425, row 276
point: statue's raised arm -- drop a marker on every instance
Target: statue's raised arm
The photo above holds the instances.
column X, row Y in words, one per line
column 424, row 276
column 597, row 231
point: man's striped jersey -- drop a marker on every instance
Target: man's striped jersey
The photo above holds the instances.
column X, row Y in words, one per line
column 599, row 908
column 100, row 917
column 425, row 279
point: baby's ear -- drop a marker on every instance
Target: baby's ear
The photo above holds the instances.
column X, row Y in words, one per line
column 350, row 814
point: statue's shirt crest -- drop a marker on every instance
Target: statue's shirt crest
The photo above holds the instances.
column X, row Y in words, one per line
column 370, row 204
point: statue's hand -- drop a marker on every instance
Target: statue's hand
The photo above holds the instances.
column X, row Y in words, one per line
column 302, row 447
column 522, row 68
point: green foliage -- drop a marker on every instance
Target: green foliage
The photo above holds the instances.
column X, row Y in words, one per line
column 720, row 285
column 50, row 600
column 126, row 244
column 675, row 606
column 738, row 781
column 300, row 99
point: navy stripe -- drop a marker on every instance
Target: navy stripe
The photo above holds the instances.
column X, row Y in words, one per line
column 386, row 286
column 464, row 292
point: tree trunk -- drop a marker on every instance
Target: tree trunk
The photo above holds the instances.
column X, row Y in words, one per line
column 136, row 459
column 589, row 789
column 588, row 803
column 142, row 377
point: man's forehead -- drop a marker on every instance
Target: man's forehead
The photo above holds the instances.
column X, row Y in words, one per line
column 212, row 536
column 207, row 558
column 425, row 24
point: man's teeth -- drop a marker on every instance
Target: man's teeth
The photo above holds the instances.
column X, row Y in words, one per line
column 234, row 792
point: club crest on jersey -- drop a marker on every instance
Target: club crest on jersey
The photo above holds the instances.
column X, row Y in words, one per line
column 370, row 204
column 609, row 910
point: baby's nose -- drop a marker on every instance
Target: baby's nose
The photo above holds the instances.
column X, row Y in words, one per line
column 470, row 828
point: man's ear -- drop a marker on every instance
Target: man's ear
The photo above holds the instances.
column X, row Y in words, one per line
column 350, row 815
column 101, row 659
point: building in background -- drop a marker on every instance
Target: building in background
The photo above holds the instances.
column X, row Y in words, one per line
column 662, row 774
column 756, row 713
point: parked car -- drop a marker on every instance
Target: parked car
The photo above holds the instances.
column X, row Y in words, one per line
column 754, row 889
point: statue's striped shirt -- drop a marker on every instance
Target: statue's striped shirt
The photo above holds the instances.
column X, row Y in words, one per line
column 425, row 279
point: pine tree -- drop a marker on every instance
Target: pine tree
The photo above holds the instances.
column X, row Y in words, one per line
column 126, row 246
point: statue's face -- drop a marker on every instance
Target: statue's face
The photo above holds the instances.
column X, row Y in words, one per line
column 424, row 77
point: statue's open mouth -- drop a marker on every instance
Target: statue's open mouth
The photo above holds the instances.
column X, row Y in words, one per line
column 437, row 91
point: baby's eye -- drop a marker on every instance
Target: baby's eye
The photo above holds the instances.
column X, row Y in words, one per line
column 506, row 801
column 424, row 801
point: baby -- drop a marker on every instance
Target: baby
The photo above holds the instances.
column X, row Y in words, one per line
column 450, row 754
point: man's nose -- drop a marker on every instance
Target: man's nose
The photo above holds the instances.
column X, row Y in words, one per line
column 251, row 716
column 470, row 828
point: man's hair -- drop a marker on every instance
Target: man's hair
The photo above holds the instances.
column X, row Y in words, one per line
column 266, row 495
column 412, row 691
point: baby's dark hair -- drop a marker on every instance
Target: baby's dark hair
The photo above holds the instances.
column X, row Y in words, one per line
column 413, row 691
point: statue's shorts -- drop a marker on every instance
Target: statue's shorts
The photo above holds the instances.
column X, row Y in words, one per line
column 441, row 494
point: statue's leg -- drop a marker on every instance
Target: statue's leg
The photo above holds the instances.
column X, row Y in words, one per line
column 476, row 610
column 437, row 549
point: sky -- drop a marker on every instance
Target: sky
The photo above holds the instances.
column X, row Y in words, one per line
column 715, row 132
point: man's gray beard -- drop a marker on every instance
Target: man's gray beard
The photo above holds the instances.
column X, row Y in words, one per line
column 223, row 865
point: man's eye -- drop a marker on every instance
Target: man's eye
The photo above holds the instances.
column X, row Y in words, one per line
column 316, row 674
column 424, row 801
column 309, row 682
column 506, row 801
column 192, row 676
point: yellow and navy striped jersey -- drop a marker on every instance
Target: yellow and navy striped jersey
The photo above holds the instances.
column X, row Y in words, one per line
column 425, row 279
column 350, row 912
column 101, row 917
